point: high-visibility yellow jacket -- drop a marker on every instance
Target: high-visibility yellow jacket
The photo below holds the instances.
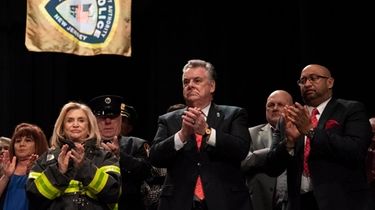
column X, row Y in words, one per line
column 96, row 185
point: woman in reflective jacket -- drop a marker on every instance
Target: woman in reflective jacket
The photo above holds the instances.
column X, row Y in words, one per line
column 76, row 173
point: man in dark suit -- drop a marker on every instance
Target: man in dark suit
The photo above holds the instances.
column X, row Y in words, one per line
column 324, row 152
column 214, row 162
column 267, row 193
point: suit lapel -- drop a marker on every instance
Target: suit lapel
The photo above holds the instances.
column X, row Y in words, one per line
column 265, row 136
column 215, row 116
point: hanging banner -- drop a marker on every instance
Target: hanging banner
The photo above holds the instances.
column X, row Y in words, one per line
column 81, row 27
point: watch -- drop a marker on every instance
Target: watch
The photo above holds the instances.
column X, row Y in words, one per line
column 207, row 131
column 310, row 133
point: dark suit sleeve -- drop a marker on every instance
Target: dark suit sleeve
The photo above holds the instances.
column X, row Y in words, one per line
column 254, row 161
column 134, row 158
column 162, row 151
column 348, row 138
column 278, row 156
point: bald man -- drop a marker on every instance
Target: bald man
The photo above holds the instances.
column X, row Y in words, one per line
column 267, row 193
column 323, row 146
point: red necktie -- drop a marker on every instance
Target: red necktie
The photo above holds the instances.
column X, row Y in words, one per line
column 306, row 152
column 198, row 191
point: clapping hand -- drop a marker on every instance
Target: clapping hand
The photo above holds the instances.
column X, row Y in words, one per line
column 9, row 165
column 112, row 146
column 193, row 122
column 31, row 162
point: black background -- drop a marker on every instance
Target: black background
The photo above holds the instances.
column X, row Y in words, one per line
column 256, row 47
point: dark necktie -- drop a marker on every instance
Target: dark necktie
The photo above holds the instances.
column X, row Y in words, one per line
column 198, row 191
column 306, row 152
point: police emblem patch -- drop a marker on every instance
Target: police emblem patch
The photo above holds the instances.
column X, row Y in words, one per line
column 88, row 21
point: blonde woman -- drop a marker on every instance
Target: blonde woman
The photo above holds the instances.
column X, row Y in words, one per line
column 76, row 173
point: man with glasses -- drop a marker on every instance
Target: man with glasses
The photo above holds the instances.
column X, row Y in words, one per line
column 323, row 146
column 311, row 78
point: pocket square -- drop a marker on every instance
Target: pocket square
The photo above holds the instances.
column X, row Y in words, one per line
column 331, row 124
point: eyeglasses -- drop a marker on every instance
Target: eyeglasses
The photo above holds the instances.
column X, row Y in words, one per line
column 311, row 78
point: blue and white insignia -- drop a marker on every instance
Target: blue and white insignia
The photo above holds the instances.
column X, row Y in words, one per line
column 89, row 22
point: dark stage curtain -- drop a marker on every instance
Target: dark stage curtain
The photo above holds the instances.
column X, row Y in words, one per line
column 256, row 47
